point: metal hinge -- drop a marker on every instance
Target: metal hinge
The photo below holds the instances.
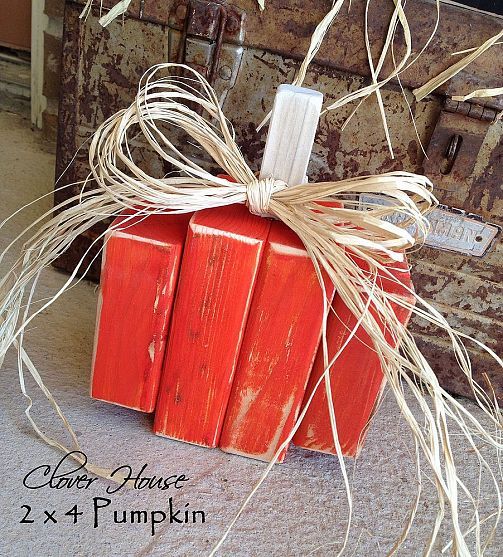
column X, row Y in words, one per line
column 471, row 110
column 208, row 37
column 456, row 141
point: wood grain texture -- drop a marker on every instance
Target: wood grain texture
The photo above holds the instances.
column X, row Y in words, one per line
column 220, row 265
column 290, row 135
column 139, row 275
column 356, row 377
column 280, row 343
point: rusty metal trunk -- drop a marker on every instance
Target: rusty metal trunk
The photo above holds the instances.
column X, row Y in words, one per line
column 246, row 54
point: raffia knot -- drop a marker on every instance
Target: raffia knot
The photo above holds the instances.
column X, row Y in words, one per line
column 259, row 193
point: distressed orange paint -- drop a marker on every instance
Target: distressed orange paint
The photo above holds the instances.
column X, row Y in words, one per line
column 278, row 350
column 219, row 269
column 138, row 281
column 356, row 378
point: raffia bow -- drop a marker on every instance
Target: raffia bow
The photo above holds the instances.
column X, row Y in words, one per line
column 331, row 234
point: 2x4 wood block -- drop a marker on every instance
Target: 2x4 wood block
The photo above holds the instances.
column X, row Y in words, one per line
column 140, row 268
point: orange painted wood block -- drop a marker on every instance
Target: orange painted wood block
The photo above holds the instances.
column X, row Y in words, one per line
column 356, row 377
column 219, row 269
column 280, row 343
column 139, row 274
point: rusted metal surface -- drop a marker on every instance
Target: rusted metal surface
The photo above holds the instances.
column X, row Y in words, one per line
column 474, row 182
column 487, row 375
column 207, row 36
column 286, row 26
column 359, row 148
column 468, row 291
column 132, row 11
column 102, row 69
column 453, row 149
column 208, row 19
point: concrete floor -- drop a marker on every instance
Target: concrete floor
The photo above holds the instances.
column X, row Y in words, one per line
column 300, row 510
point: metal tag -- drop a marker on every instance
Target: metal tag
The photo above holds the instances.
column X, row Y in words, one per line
column 451, row 229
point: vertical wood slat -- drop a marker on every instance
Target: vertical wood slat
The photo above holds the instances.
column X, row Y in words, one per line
column 278, row 350
column 219, row 269
column 284, row 327
column 356, row 377
column 139, row 274
column 220, row 266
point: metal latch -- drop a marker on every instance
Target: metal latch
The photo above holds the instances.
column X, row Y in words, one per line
column 456, row 142
column 208, row 37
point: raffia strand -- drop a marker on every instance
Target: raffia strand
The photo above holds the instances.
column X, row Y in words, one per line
column 166, row 106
